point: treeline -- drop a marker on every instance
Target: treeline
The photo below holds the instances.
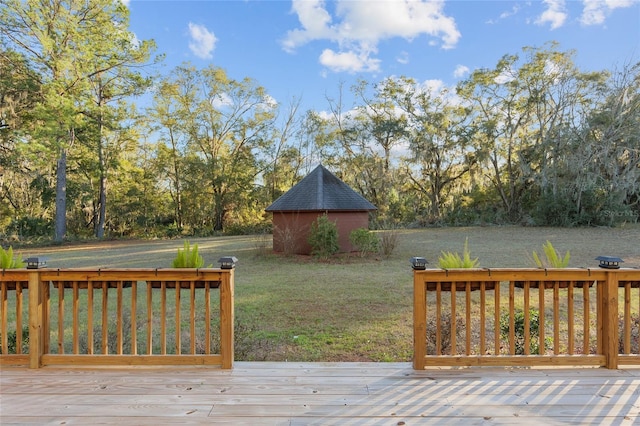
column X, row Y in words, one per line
column 533, row 140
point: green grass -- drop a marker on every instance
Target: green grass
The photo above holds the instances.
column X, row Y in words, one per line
column 298, row 308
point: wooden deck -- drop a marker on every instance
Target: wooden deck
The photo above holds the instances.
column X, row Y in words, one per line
column 266, row 393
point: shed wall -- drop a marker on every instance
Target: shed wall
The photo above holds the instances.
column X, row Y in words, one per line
column 291, row 229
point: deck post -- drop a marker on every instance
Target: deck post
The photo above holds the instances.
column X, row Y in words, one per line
column 227, row 318
column 35, row 320
column 419, row 321
column 610, row 320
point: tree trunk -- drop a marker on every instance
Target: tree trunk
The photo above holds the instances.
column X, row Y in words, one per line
column 61, row 196
column 103, row 206
column 102, row 196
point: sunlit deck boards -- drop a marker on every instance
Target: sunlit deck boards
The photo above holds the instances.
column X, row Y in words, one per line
column 318, row 393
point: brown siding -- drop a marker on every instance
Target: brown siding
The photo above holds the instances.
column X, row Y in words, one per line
column 291, row 230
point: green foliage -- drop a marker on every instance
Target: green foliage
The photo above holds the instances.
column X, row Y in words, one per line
column 30, row 227
column 188, row 257
column 12, row 341
column 553, row 258
column 449, row 260
column 323, row 237
column 365, row 241
column 8, row 261
column 518, row 322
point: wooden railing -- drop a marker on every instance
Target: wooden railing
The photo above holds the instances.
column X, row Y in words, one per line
column 117, row 317
column 526, row 317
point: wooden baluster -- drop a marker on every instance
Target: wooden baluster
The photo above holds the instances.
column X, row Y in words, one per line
column 571, row 318
column 4, row 320
column 556, row 318
column 119, row 319
column 178, row 334
column 496, row 319
column 105, row 318
column 90, row 318
column 438, row 318
column 586, row 315
column 18, row 318
column 76, row 318
column 453, row 328
column 207, row 318
column 512, row 313
column 468, row 315
column 60, row 317
column 541, row 343
column 149, row 319
column 483, row 306
column 193, row 317
column 45, row 288
column 527, row 317
column 627, row 317
column 134, row 316
column 163, row 318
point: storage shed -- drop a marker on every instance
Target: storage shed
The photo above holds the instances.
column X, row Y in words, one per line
column 318, row 193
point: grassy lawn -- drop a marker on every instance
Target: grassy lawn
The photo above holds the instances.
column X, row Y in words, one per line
column 350, row 308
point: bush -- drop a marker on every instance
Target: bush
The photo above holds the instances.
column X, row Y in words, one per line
column 323, row 237
column 388, row 242
column 12, row 340
column 365, row 241
column 30, row 227
column 635, row 333
column 288, row 236
column 534, row 331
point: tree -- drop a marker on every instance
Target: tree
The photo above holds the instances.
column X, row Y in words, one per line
column 117, row 78
column 381, row 126
column 604, row 171
column 286, row 159
column 65, row 43
column 439, row 141
column 520, row 107
column 226, row 125
column 19, row 94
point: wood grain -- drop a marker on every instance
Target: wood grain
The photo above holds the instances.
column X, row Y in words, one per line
column 318, row 393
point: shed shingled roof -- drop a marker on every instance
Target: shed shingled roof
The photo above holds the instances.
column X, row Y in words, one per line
column 321, row 190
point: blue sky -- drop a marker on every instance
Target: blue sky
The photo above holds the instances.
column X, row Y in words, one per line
column 306, row 48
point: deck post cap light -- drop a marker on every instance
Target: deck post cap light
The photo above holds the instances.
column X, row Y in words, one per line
column 418, row 263
column 609, row 262
column 36, row 262
column 227, row 262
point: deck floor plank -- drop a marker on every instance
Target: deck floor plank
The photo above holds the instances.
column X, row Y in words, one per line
column 291, row 394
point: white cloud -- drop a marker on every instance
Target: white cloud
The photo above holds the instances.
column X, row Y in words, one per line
column 221, row 101
column 202, row 41
column 348, row 61
column 460, row 71
column 596, row 11
column 555, row 14
column 433, row 87
column 357, row 27
column 403, row 57
column 507, row 14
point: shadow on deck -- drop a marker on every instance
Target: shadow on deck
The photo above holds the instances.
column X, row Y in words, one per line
column 270, row 393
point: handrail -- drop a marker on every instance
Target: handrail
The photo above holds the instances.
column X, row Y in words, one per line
column 147, row 311
column 568, row 316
